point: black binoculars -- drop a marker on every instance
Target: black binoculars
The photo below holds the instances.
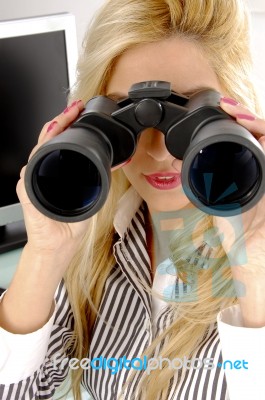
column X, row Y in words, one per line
column 68, row 178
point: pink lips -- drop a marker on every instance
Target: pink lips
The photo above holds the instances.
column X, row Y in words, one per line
column 164, row 180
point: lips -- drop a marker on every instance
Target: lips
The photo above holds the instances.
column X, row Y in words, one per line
column 164, row 180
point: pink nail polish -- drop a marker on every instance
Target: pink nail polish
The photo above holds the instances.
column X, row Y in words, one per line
column 230, row 101
column 247, row 117
column 75, row 103
column 71, row 106
column 65, row 111
column 51, row 126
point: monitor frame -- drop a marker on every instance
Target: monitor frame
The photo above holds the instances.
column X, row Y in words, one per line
column 12, row 227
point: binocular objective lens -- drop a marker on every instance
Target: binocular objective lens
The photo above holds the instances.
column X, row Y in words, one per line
column 67, row 182
column 225, row 175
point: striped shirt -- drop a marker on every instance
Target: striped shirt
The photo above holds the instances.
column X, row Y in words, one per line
column 37, row 365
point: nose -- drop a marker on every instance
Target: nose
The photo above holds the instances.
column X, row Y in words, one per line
column 155, row 144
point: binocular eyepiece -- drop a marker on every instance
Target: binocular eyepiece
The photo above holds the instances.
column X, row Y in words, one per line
column 68, row 178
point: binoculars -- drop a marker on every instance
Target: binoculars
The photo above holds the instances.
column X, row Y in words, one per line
column 68, row 178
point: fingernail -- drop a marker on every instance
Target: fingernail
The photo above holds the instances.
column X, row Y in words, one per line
column 247, row 117
column 74, row 103
column 230, row 101
column 65, row 111
column 51, row 126
column 77, row 102
column 71, row 106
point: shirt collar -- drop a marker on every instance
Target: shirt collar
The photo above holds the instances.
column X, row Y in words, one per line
column 127, row 207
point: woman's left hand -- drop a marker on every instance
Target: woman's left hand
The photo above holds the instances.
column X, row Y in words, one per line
column 246, row 256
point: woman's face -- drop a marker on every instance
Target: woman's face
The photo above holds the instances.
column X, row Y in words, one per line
column 182, row 63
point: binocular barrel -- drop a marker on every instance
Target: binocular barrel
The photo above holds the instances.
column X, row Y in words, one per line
column 68, row 179
column 223, row 169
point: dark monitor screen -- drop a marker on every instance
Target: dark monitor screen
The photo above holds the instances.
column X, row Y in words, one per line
column 38, row 58
column 33, row 89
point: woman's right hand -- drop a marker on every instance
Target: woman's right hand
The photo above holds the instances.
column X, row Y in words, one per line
column 44, row 234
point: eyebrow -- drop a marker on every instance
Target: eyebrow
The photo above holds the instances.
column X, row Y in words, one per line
column 193, row 90
column 116, row 96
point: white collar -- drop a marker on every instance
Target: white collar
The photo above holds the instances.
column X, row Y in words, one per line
column 127, row 207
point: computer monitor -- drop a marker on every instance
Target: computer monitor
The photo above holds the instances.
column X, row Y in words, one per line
column 38, row 58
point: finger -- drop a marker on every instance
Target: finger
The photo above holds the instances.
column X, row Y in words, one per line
column 262, row 142
column 61, row 122
column 33, row 151
column 20, row 188
column 243, row 116
column 22, row 172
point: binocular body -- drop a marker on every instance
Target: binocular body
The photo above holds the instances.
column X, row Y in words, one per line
column 68, row 178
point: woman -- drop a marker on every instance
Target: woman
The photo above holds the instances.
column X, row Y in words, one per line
column 110, row 276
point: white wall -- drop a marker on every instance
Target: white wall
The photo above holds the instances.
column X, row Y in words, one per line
column 256, row 5
column 83, row 10
column 258, row 51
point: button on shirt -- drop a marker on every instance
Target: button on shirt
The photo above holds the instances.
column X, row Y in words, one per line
column 33, row 365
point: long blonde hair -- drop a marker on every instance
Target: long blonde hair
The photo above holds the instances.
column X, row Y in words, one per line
column 220, row 28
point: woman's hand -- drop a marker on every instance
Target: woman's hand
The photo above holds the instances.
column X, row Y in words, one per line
column 44, row 234
column 243, row 236
column 29, row 301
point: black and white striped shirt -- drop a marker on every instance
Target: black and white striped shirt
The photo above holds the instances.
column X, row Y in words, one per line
column 30, row 365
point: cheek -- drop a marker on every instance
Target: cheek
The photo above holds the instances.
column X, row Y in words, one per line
column 129, row 169
column 177, row 164
column 142, row 143
column 136, row 160
column 133, row 169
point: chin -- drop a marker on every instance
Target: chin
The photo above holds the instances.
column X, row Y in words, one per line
column 167, row 203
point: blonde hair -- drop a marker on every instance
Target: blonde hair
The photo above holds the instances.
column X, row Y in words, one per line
column 220, row 28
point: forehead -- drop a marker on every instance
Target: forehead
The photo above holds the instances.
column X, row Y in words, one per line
column 175, row 60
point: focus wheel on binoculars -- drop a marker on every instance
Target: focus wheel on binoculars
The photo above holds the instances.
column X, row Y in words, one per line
column 148, row 112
